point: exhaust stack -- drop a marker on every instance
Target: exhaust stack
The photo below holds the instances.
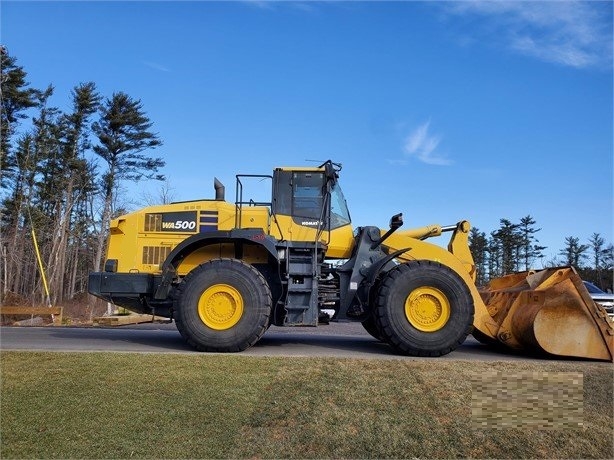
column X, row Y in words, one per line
column 220, row 190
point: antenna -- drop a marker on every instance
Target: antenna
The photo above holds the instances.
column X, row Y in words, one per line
column 337, row 166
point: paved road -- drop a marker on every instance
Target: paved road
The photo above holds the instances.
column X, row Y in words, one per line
column 334, row 340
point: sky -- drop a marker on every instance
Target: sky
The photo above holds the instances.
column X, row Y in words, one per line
column 443, row 111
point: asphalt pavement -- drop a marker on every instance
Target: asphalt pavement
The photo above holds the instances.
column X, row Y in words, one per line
column 340, row 340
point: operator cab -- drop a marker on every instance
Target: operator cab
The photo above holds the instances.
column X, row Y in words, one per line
column 309, row 201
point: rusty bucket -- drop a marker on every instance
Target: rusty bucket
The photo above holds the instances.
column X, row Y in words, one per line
column 548, row 311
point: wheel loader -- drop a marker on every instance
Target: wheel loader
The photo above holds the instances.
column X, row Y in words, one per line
column 226, row 271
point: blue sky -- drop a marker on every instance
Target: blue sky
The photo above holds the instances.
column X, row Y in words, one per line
column 440, row 110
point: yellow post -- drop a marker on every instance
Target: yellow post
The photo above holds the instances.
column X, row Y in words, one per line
column 40, row 266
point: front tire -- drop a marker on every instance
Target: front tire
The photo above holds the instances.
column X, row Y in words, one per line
column 223, row 305
column 424, row 308
column 371, row 327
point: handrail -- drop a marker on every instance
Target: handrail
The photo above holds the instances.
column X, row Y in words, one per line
column 239, row 197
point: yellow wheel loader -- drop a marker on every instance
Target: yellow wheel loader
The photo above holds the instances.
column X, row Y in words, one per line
column 225, row 272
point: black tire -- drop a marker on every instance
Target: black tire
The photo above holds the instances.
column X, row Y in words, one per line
column 223, row 306
column 371, row 327
column 424, row 309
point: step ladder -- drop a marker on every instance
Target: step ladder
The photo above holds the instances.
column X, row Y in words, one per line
column 302, row 271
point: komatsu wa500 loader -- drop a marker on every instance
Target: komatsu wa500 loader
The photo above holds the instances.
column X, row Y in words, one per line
column 227, row 271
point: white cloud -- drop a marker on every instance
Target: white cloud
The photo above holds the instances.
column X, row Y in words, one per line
column 156, row 66
column 572, row 33
column 307, row 5
column 423, row 146
column 262, row 4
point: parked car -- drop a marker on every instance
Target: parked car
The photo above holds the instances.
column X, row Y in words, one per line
column 603, row 298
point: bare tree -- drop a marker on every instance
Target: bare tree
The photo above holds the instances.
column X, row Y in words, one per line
column 165, row 195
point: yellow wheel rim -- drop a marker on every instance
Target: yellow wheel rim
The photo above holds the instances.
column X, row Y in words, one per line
column 220, row 307
column 427, row 309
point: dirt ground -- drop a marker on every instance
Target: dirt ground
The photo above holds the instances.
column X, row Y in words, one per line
column 79, row 311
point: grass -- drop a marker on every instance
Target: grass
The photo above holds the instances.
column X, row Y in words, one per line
column 112, row 405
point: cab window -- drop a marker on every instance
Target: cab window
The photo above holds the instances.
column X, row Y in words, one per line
column 307, row 195
column 339, row 214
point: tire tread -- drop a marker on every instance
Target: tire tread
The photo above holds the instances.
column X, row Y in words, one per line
column 232, row 265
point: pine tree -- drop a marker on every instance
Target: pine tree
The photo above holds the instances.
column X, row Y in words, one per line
column 123, row 133
column 574, row 252
column 529, row 247
column 478, row 245
column 27, row 207
column 509, row 242
column 16, row 98
column 494, row 256
column 596, row 246
column 68, row 186
column 49, row 184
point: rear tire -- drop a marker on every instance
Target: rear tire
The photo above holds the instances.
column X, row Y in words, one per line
column 223, row 306
column 424, row 308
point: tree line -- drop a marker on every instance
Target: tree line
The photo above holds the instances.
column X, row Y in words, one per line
column 514, row 247
column 60, row 176
column 61, row 173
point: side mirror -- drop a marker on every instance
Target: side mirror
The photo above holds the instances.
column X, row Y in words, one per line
column 396, row 221
column 331, row 171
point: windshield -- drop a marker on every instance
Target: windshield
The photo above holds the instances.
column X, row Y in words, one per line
column 339, row 214
column 591, row 288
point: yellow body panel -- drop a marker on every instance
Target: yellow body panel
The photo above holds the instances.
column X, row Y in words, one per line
column 155, row 242
column 155, row 239
column 339, row 241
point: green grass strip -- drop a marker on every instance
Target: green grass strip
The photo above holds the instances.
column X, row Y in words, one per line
column 115, row 405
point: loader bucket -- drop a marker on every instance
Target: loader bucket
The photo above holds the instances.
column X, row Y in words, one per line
column 549, row 311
